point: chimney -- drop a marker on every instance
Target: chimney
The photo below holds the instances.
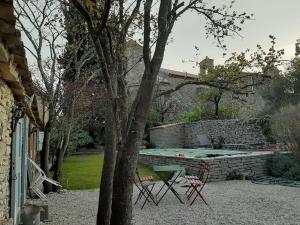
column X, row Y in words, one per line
column 206, row 65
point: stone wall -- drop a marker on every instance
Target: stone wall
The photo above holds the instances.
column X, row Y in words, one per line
column 254, row 164
column 6, row 103
column 168, row 136
column 234, row 131
column 237, row 132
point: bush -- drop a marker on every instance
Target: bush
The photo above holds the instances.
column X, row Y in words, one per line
column 285, row 126
column 207, row 112
column 192, row 116
column 282, row 165
column 217, row 143
column 154, row 118
column 78, row 138
column 265, row 124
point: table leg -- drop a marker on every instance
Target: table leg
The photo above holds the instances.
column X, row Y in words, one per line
column 169, row 187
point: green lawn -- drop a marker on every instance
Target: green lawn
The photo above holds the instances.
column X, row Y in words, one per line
column 84, row 172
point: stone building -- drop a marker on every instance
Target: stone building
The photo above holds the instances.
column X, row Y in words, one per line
column 171, row 106
column 21, row 116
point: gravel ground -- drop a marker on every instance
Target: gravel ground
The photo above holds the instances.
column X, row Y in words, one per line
column 232, row 202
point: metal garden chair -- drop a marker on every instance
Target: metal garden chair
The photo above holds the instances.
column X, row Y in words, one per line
column 197, row 183
column 37, row 177
column 145, row 186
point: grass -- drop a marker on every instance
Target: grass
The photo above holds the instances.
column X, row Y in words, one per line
column 84, row 172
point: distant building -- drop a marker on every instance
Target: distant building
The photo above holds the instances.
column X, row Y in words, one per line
column 171, row 106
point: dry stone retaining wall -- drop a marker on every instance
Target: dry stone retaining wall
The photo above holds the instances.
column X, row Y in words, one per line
column 251, row 164
column 168, row 136
column 235, row 131
column 6, row 103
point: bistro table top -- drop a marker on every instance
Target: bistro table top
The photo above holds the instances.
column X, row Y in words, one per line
column 167, row 168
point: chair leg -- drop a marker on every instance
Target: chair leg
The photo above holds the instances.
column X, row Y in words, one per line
column 138, row 198
column 194, row 187
column 194, row 200
column 160, row 190
column 149, row 194
column 146, row 198
column 198, row 193
column 201, row 196
column 40, row 194
column 188, row 190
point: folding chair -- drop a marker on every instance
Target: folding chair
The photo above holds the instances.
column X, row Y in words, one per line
column 145, row 186
column 37, row 178
column 200, row 175
column 197, row 185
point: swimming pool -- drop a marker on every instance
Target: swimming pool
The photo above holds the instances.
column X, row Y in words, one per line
column 191, row 153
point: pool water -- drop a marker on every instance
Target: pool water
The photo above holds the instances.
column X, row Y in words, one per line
column 191, row 153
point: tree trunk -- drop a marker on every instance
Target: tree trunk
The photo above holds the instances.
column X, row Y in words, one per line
column 60, row 152
column 124, row 176
column 45, row 155
column 217, row 109
column 106, row 186
column 112, row 131
column 58, row 168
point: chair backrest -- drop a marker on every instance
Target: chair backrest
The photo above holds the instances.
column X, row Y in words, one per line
column 36, row 166
column 34, row 171
column 205, row 169
column 138, row 174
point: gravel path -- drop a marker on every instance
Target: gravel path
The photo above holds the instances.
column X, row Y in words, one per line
column 232, row 202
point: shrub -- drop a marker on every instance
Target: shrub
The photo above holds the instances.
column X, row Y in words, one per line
column 207, row 112
column 78, row 138
column 154, row 118
column 217, row 143
column 282, row 165
column 237, row 175
column 293, row 173
column 286, row 128
column 265, row 124
column 192, row 116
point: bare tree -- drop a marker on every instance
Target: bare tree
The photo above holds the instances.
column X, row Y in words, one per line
column 43, row 27
column 164, row 104
column 39, row 21
column 240, row 74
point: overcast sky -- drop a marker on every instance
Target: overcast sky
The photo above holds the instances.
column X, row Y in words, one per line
column 276, row 17
column 280, row 18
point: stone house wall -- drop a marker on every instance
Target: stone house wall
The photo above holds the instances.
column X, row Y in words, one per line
column 237, row 132
column 6, row 103
column 182, row 100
